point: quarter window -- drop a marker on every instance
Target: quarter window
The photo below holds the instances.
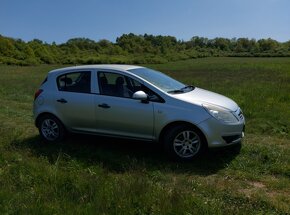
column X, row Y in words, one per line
column 79, row 82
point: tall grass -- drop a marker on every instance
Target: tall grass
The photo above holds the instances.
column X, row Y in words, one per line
column 96, row 175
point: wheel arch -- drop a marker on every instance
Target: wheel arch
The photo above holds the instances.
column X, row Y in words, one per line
column 177, row 123
column 46, row 113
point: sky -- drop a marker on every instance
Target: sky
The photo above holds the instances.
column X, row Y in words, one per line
column 60, row 20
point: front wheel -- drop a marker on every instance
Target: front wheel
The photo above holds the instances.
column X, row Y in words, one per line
column 51, row 129
column 183, row 142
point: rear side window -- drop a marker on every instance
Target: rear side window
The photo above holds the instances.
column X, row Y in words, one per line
column 79, row 82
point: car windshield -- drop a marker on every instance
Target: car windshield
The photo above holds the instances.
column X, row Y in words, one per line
column 161, row 80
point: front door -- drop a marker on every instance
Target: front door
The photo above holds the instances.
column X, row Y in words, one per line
column 117, row 113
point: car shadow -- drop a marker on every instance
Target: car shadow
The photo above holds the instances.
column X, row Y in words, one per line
column 120, row 155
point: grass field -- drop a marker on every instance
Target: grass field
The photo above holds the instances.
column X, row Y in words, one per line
column 96, row 175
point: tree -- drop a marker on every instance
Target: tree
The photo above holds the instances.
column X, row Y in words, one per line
column 267, row 45
column 7, row 48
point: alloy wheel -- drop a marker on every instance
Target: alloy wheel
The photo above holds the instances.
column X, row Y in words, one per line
column 186, row 144
column 50, row 129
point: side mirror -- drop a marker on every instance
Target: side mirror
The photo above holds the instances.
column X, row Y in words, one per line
column 140, row 95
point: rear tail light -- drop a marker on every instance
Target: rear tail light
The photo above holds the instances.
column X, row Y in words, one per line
column 37, row 93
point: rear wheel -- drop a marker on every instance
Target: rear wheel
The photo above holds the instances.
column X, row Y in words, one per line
column 183, row 142
column 51, row 129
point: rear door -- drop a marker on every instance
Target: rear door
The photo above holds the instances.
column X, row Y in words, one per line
column 116, row 112
column 74, row 101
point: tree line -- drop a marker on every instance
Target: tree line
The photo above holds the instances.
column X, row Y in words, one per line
column 134, row 49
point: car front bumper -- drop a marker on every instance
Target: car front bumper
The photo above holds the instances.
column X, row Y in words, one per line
column 218, row 134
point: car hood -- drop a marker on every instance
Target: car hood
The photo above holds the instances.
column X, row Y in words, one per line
column 201, row 96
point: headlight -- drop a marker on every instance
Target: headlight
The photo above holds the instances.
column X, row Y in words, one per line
column 220, row 113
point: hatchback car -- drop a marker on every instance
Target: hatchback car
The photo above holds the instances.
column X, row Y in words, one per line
column 135, row 102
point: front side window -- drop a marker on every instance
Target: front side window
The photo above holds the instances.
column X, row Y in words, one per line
column 79, row 82
column 114, row 84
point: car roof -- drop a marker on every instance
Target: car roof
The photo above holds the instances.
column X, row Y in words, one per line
column 99, row 66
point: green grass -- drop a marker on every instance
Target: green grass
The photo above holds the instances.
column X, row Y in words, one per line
column 96, row 175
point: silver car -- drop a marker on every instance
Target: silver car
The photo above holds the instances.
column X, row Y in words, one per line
column 136, row 102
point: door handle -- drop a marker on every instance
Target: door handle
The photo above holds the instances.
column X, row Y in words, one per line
column 62, row 100
column 104, row 105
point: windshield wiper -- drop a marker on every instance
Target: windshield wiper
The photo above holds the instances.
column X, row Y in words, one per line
column 191, row 87
column 175, row 91
column 183, row 89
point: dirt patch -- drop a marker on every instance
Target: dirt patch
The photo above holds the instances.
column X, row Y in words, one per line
column 257, row 184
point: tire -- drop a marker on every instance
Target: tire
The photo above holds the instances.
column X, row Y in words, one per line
column 51, row 129
column 183, row 143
